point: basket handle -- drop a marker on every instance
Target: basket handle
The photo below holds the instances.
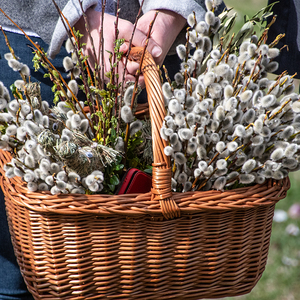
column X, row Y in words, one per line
column 161, row 171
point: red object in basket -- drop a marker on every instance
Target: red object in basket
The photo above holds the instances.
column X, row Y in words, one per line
column 135, row 181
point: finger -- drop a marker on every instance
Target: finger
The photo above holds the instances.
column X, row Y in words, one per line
column 154, row 48
column 139, row 40
column 132, row 67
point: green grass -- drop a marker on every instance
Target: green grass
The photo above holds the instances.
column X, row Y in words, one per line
column 279, row 281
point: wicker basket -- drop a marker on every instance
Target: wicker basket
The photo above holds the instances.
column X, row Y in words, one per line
column 131, row 246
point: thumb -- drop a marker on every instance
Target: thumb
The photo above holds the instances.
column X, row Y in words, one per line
column 154, row 48
column 139, row 40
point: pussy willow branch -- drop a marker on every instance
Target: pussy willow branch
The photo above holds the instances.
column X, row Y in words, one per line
column 12, row 51
column 42, row 54
column 69, row 31
column 97, row 77
column 126, row 61
column 135, row 89
column 101, row 45
column 113, row 79
column 117, row 67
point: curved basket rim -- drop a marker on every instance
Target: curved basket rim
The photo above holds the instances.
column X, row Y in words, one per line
column 141, row 204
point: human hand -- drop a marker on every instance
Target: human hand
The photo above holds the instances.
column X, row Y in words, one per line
column 166, row 28
column 125, row 32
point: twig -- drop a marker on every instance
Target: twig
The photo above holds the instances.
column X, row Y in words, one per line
column 126, row 61
column 134, row 94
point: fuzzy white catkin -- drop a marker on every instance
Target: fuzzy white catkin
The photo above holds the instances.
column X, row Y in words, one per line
column 272, row 67
column 291, row 150
column 75, row 121
column 128, row 95
column 173, row 139
column 32, row 186
column 231, row 146
column 3, row 103
column 55, row 190
column 126, row 114
column 11, row 130
column 257, row 140
column 25, row 109
column 62, row 176
column 30, row 161
column 78, row 190
column 43, row 187
column 73, row 86
column 198, row 55
column 174, row 106
column 191, row 148
column 220, row 146
column 69, row 45
column 68, row 63
column 54, row 168
column 15, row 65
column 210, row 18
column 246, row 96
column 49, row 180
column 179, row 79
column 180, row 158
column 277, row 154
column 206, row 44
column 221, row 164
column 168, row 150
column 45, row 166
column 289, row 163
column 201, row 28
column 84, row 125
column 119, row 146
column 94, row 187
column 135, row 127
column 249, row 165
column 61, row 185
column 14, row 105
column 182, row 178
column 287, row 132
column 181, row 51
column 167, row 91
column 249, row 116
column 32, row 128
column 246, row 178
column 201, row 152
column 209, row 4
column 219, row 183
column 191, row 20
column 197, row 172
column 185, row 134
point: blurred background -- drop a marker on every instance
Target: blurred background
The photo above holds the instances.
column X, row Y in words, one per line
column 281, row 278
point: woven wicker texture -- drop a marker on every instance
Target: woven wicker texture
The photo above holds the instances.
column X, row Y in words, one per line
column 130, row 246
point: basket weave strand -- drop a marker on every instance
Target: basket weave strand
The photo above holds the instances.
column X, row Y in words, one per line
column 125, row 247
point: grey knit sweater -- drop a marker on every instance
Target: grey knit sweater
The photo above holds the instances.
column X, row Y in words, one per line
column 41, row 16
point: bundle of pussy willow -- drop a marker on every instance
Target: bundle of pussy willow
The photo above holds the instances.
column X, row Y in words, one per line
column 66, row 148
column 227, row 123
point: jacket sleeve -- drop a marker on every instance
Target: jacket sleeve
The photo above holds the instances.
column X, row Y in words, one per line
column 72, row 11
column 41, row 17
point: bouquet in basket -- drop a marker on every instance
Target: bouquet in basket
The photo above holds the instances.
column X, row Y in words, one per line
column 228, row 123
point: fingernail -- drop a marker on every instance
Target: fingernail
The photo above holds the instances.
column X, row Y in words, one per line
column 156, row 51
column 123, row 48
